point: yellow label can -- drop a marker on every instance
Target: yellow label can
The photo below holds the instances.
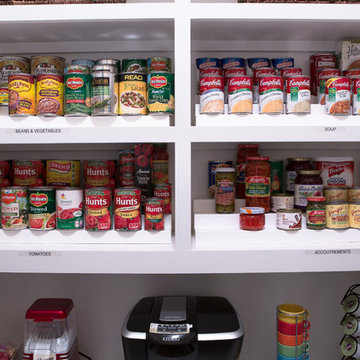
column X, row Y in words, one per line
column 337, row 216
column 21, row 95
column 354, row 215
column 63, row 173
column 50, row 95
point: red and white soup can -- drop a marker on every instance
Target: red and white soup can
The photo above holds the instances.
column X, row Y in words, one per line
column 212, row 95
column 338, row 96
column 257, row 74
column 154, row 214
column 271, row 95
column 240, row 98
column 298, row 94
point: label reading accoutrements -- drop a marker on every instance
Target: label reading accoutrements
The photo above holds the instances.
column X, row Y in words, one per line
column 258, row 186
column 316, row 217
column 302, row 192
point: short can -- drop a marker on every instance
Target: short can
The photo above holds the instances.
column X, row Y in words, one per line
column 233, row 63
column 14, row 208
column 69, row 208
column 50, row 95
column 154, row 214
column 163, row 191
column 285, row 72
column 83, row 62
column 337, row 96
column 212, row 167
column 337, row 216
column 288, row 219
column 212, row 95
column 356, row 96
column 282, row 63
column 21, row 95
column 354, row 195
column 240, row 90
column 281, row 201
column 354, row 215
column 161, row 93
column 132, row 94
column 98, row 209
column 28, row 173
column 259, row 62
column 271, row 95
column 159, row 63
column 45, row 64
column 134, row 65
column 207, row 62
column 298, row 94
column 334, row 194
column 99, row 173
column 322, row 76
column 113, row 62
column 42, row 209
column 63, row 173
column 127, row 216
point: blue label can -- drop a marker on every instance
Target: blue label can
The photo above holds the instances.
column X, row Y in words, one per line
column 205, row 63
column 282, row 63
column 213, row 165
column 232, row 63
column 260, row 62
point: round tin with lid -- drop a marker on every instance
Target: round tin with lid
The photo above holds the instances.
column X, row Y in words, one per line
column 252, row 218
column 281, row 201
column 288, row 219
column 308, row 183
column 351, row 325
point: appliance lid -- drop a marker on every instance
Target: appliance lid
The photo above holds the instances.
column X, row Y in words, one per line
column 47, row 310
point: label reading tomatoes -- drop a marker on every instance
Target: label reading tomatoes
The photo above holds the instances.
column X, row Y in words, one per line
column 257, row 186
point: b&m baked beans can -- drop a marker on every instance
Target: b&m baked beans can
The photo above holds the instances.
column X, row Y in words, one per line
column 63, row 173
column 99, row 173
column 21, row 89
column 127, row 215
column 163, row 191
column 232, row 63
column 154, row 214
column 98, row 209
column 28, row 173
column 69, row 208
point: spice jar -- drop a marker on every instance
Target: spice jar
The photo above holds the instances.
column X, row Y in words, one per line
column 316, row 213
column 293, row 165
column 225, row 190
column 258, row 182
column 252, row 218
column 308, row 183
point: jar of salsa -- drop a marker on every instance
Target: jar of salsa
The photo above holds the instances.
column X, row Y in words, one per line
column 225, row 190
column 252, row 218
column 316, row 213
column 293, row 165
column 258, row 182
column 308, row 183
column 160, row 164
column 244, row 150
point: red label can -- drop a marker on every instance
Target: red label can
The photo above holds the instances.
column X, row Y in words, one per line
column 290, row 71
column 126, row 162
column 211, row 72
column 257, row 73
column 4, row 173
column 127, row 209
column 163, row 191
column 212, row 95
column 126, row 180
column 99, row 173
column 154, row 214
column 298, row 94
column 28, row 173
column 98, row 209
column 320, row 61
column 234, row 72
column 337, row 93
column 271, row 95
column 352, row 73
column 356, row 96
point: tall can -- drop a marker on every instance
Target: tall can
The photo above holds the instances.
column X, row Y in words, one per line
column 14, row 208
column 277, row 177
column 28, row 173
column 154, row 214
column 127, row 215
column 42, row 209
column 161, row 98
column 21, row 95
column 4, row 173
column 159, row 63
column 50, row 95
column 69, row 208
column 163, row 191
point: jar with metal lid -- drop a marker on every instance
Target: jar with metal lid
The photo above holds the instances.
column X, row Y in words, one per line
column 308, row 183
column 252, row 218
column 337, row 216
column 225, row 190
column 294, row 164
column 316, row 213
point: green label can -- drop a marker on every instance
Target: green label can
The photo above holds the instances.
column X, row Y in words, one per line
column 134, row 65
column 161, row 92
column 69, row 208
column 14, row 208
column 42, row 215
column 277, row 179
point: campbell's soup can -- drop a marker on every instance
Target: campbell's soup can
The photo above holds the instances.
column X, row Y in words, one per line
column 320, row 61
column 322, row 76
column 240, row 91
column 211, row 72
column 337, row 96
column 63, row 173
column 28, row 173
column 127, row 216
column 282, row 62
column 290, row 71
column 154, row 214
column 69, row 208
column 257, row 73
column 5, row 173
column 229, row 73
column 21, row 89
column 271, row 96
column 298, row 94
column 259, row 62
column 98, row 209
column 212, row 95
column 356, row 96
column 99, row 173
column 204, row 63
column 42, row 209
column 14, row 208
column 233, row 63
column 163, row 191
column 50, row 95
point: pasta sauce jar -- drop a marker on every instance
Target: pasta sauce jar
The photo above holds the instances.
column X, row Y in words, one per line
column 252, row 218
column 308, row 183
column 258, row 182
column 225, row 190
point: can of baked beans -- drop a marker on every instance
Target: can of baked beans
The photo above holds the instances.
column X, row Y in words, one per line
column 337, row 96
column 63, row 173
column 298, row 94
column 282, row 62
column 69, row 208
column 322, row 76
column 28, row 173
column 271, row 96
column 154, row 214
column 240, row 91
column 42, row 209
column 127, row 216
column 163, row 191
column 99, row 173
column 212, row 95
column 50, row 95
column 21, row 89
column 233, row 63
column 257, row 73
column 14, row 208
column 320, row 61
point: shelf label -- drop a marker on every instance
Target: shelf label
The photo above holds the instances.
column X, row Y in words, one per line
column 334, row 129
column 331, row 252
column 37, row 131
column 40, row 253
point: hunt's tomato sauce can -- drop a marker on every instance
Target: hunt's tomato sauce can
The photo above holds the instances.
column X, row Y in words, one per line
column 163, row 191
column 98, row 209
column 100, row 173
column 154, row 214
column 127, row 209
column 28, row 173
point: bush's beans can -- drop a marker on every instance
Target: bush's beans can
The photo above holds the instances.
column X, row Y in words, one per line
column 42, row 209
column 21, row 89
column 50, row 95
column 14, row 208
column 240, row 89
column 69, row 208
column 132, row 94
column 204, row 63
column 113, row 62
column 99, row 173
column 337, row 96
column 298, row 94
column 154, row 214
column 320, row 61
column 98, row 209
column 271, row 96
column 322, row 76
column 63, row 173
column 212, row 166
column 159, row 63
column 337, row 216
column 28, row 173
column 44, row 64
column 127, row 215
column 77, row 98
column 282, row 63
column 5, row 173
column 232, row 63
column 212, row 95
column 356, row 96
column 134, row 65
column 163, row 191
column 254, row 63
column 257, row 73
column 161, row 93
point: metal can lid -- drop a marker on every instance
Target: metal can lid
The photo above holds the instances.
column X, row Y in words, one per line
column 308, row 172
column 252, row 210
column 104, row 67
column 223, row 170
column 298, row 159
column 316, row 198
column 258, row 158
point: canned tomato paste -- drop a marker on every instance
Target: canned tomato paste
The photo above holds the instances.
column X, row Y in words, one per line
column 337, row 96
column 61, row 173
column 98, row 209
column 21, row 95
column 127, row 209
column 28, row 173
column 42, row 210
column 271, row 95
column 154, row 214
column 240, row 91
column 99, row 173
column 69, row 208
column 14, row 208
column 163, row 191
column 50, row 95
column 132, row 94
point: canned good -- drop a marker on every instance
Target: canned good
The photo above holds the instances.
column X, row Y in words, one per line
column 228, row 73
column 281, row 201
column 4, row 173
column 282, row 62
column 134, row 65
column 271, row 95
column 104, row 67
column 154, row 214
column 63, row 173
column 28, row 173
column 44, row 64
column 240, row 90
column 354, row 216
column 277, row 180
column 204, row 63
column 159, row 63
column 127, row 215
column 98, row 209
column 99, row 173
column 42, row 209
column 21, row 95
column 257, row 74
column 298, row 94
column 233, row 63
column 354, row 195
column 320, row 61
column 132, row 94
column 83, row 62
column 337, row 96
column 161, row 92
column 211, row 72
column 336, row 194
column 126, row 180
column 212, row 166
column 356, row 96
column 337, row 216
column 163, row 191
column 285, row 72
column 69, row 208
column 225, row 190
column 259, row 62
column 114, row 62
column 288, row 219
column 14, row 208
column 316, row 213
column 322, row 76
column 211, row 95
column 50, row 95
column 127, row 162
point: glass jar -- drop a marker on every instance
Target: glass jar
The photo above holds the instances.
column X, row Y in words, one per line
column 244, row 150
column 160, row 164
column 316, row 213
column 258, row 182
column 293, row 165
column 308, row 183
column 225, row 190
column 252, row 218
